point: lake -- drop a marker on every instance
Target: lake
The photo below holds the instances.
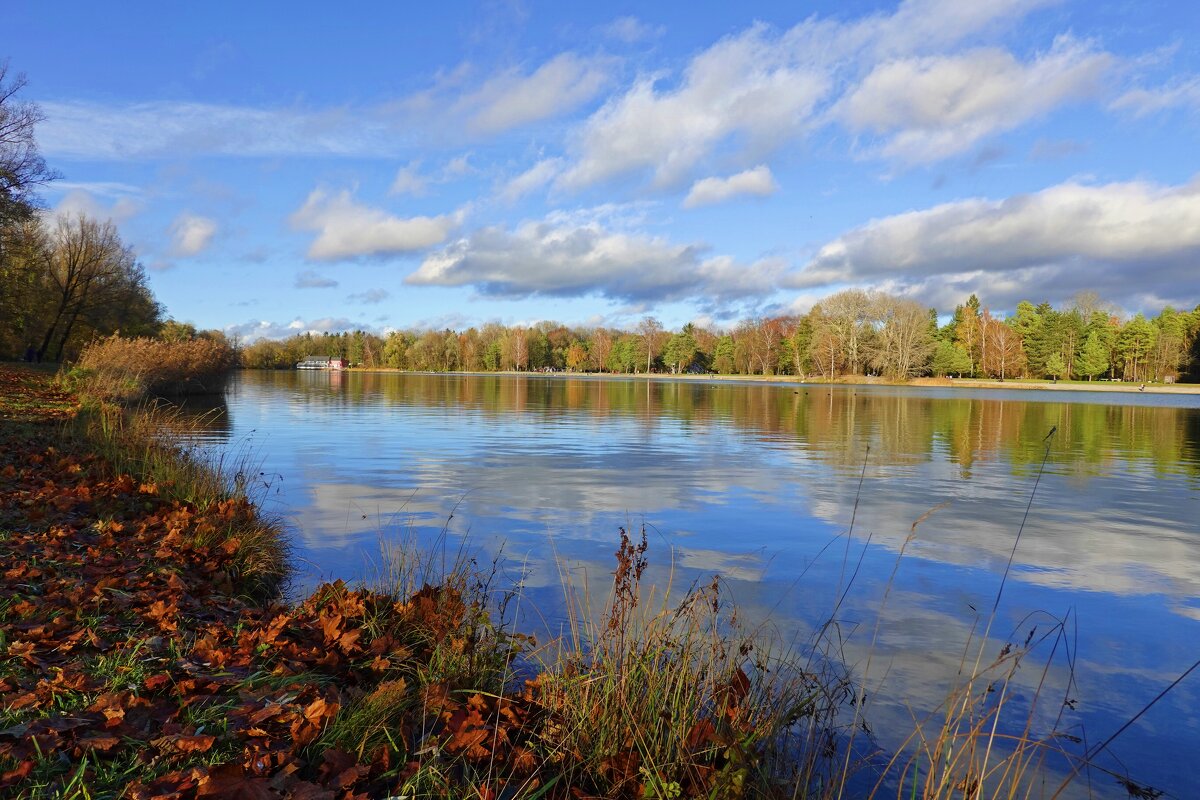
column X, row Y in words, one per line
column 759, row 482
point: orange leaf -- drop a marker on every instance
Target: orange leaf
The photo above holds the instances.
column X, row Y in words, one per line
column 194, row 744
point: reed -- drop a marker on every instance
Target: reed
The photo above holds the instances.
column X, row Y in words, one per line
column 124, row 369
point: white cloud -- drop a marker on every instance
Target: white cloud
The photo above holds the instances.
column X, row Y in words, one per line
column 926, row 109
column 532, row 179
column 748, row 86
column 1132, row 242
column 254, row 329
column 1144, row 102
column 560, row 257
column 510, row 98
column 632, row 30
column 751, row 92
column 347, row 229
column 757, row 181
column 191, row 234
column 86, row 200
column 925, row 25
column 308, row 279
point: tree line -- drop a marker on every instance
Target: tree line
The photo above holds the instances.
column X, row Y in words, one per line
column 850, row 333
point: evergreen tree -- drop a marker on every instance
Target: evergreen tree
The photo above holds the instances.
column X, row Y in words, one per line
column 1093, row 358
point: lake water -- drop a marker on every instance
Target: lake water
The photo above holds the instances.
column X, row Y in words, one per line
column 759, row 482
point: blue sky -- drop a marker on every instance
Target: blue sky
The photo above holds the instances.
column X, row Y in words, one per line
column 288, row 167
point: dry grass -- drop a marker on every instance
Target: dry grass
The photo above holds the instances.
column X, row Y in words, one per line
column 124, row 370
column 665, row 697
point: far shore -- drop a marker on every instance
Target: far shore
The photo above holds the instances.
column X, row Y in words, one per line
column 941, row 383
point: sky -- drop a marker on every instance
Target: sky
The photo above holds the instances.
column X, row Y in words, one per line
column 279, row 168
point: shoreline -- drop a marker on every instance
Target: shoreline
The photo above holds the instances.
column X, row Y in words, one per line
column 791, row 380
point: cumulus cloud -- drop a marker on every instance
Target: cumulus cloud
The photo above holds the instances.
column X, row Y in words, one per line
column 753, row 91
column 1050, row 243
column 191, row 234
column 571, row 258
column 746, row 85
column 256, row 329
column 308, row 279
column 370, row 296
column 1144, row 102
column 757, row 181
column 347, row 229
column 925, row 109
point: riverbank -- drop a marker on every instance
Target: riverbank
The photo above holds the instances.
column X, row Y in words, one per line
column 792, row 380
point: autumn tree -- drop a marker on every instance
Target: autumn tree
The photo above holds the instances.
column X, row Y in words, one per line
column 92, row 281
column 1003, row 353
column 844, row 317
column 968, row 330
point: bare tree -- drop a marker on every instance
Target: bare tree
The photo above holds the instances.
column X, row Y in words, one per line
column 22, row 168
column 517, row 346
column 903, row 343
column 601, row 347
column 845, row 316
column 650, row 329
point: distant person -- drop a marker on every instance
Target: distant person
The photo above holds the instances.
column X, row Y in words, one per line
column 1142, row 388
column 30, row 354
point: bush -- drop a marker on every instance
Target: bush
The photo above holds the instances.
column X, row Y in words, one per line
column 128, row 369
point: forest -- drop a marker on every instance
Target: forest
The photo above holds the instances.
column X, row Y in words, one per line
column 853, row 332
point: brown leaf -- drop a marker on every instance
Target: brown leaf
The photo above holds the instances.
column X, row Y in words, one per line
column 101, row 742
column 230, row 782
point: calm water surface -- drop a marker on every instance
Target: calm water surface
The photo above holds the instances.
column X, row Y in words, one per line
column 758, row 482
